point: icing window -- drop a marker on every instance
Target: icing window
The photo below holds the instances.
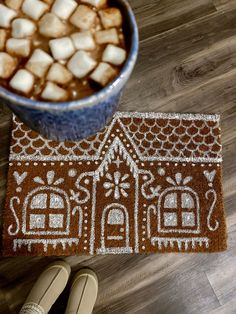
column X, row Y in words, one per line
column 56, row 201
column 39, row 201
column 187, row 201
column 171, row 201
column 115, row 217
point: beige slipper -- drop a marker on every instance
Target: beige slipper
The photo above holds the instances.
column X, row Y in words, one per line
column 47, row 288
column 83, row 293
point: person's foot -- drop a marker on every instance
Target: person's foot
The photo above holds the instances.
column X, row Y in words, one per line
column 47, row 288
column 83, row 293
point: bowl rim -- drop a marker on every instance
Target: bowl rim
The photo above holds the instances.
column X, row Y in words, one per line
column 109, row 90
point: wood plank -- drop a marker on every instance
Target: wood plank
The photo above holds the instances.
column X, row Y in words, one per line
column 224, row 4
column 4, row 308
column 223, row 277
column 158, row 16
column 160, row 79
column 180, row 283
column 228, row 308
column 5, row 126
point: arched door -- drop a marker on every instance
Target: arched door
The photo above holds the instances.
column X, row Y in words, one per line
column 115, row 227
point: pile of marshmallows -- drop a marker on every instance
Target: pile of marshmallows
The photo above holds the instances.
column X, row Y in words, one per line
column 70, row 55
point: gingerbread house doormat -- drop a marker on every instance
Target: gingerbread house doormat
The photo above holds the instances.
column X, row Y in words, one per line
column 148, row 182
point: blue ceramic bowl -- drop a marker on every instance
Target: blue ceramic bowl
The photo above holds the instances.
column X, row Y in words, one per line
column 76, row 120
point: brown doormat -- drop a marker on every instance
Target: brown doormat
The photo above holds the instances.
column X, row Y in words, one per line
column 149, row 182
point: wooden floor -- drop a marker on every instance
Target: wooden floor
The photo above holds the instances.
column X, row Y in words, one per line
column 187, row 63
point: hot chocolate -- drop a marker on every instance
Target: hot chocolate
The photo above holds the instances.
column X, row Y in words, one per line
column 59, row 50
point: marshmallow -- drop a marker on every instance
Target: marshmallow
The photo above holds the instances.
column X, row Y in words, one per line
column 22, row 28
column 7, row 65
column 3, row 36
column 51, row 26
column 14, row 4
column 64, row 8
column 34, row 8
column 114, row 55
column 62, row 48
column 59, row 74
column 83, row 40
column 81, row 64
column 95, row 3
column 6, row 16
column 39, row 62
column 110, row 17
column 103, row 73
column 54, row 92
column 22, row 81
column 18, row 47
column 109, row 36
column 83, row 17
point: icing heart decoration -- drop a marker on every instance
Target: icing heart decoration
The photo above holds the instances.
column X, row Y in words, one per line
column 19, row 178
column 210, row 175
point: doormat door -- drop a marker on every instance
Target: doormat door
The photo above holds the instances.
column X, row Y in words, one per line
column 147, row 183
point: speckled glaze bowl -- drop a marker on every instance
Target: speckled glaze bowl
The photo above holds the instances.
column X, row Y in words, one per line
column 76, row 120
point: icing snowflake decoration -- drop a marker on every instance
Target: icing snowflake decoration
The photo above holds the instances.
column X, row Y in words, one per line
column 117, row 185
